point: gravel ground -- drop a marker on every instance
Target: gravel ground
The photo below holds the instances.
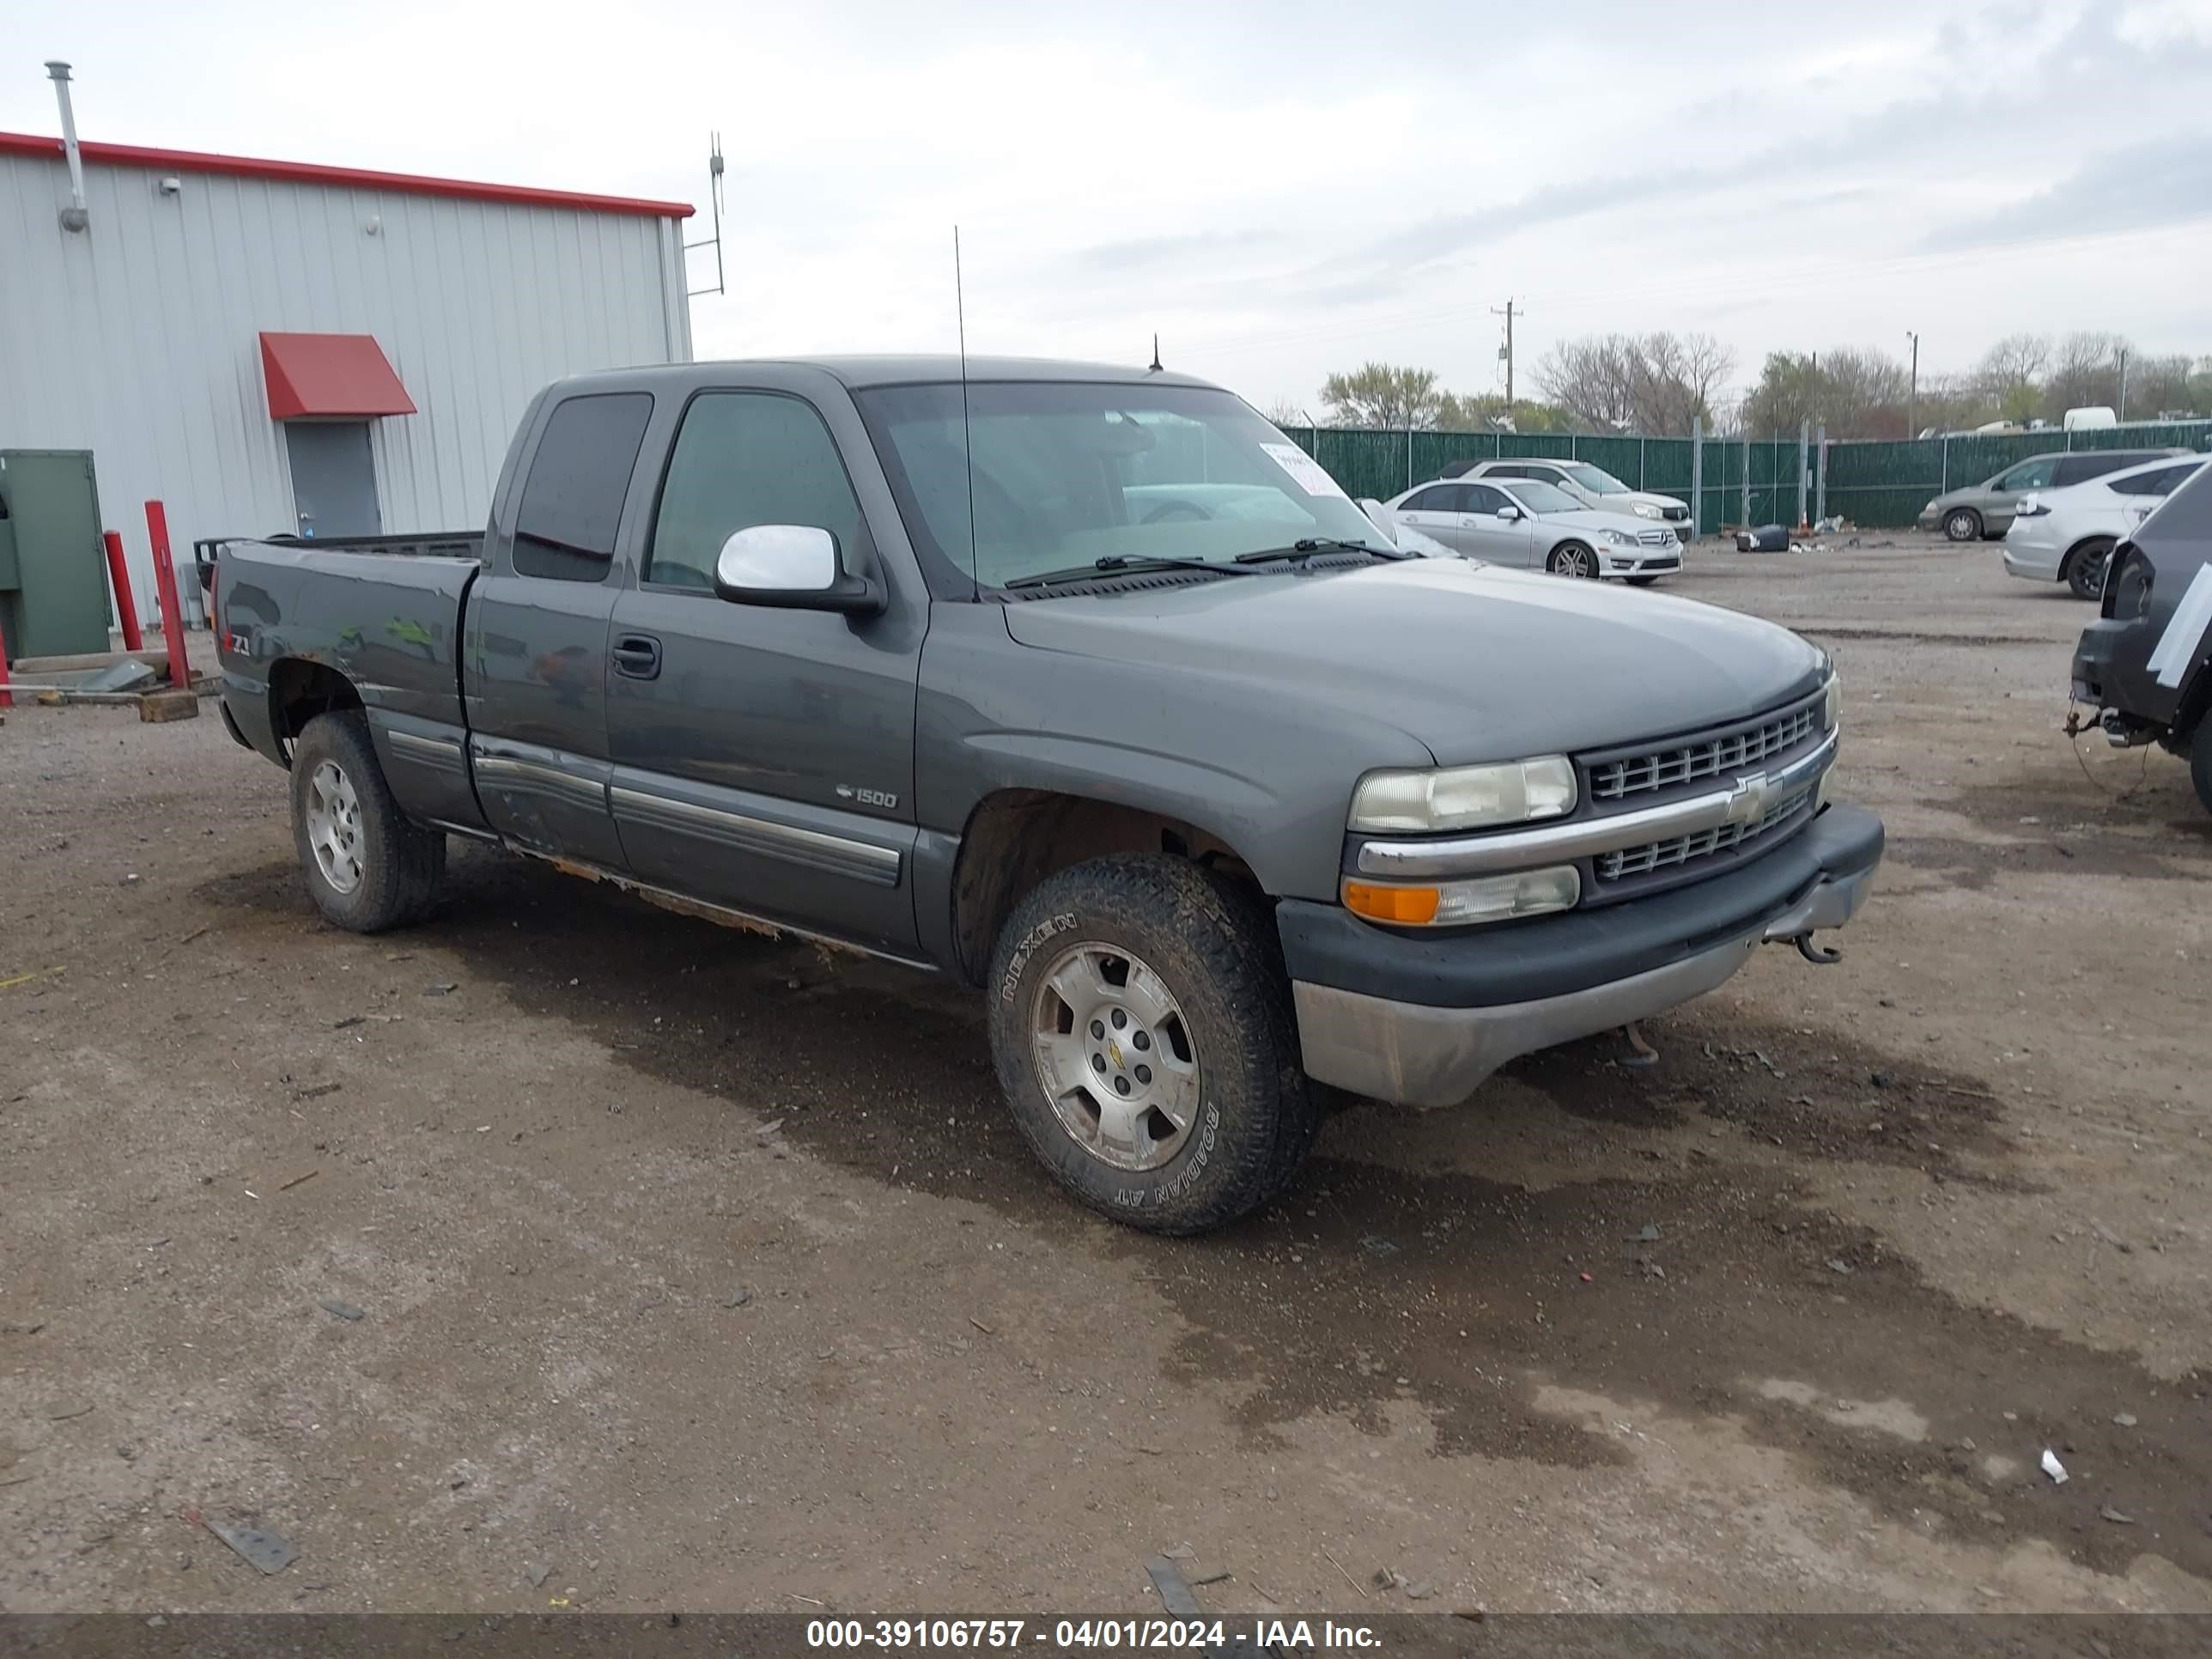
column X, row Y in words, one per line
column 698, row 1269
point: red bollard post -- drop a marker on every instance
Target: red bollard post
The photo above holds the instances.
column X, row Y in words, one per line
column 127, row 607
column 165, row 587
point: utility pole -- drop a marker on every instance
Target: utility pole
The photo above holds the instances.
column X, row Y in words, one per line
column 1506, row 351
column 2124, row 384
column 1913, row 392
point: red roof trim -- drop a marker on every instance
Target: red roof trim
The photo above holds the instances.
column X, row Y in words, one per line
column 342, row 376
column 308, row 173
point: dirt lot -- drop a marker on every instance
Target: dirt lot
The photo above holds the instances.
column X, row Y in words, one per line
column 701, row 1270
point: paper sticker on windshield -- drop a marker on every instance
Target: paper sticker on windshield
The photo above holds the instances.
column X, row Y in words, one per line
column 1305, row 472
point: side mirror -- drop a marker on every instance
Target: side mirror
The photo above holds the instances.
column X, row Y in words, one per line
column 792, row 566
column 1509, row 514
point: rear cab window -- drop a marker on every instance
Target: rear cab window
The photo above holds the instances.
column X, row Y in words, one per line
column 571, row 501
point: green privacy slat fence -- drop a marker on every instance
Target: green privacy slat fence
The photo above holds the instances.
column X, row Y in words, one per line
column 1382, row 464
column 1877, row 485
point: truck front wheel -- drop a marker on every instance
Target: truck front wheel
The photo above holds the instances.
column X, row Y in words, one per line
column 1141, row 1024
column 367, row 867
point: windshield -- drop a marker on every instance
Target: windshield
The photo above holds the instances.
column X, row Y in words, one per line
column 1541, row 498
column 1067, row 474
column 1596, row 479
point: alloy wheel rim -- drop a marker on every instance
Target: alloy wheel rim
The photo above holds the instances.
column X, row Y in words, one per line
column 334, row 826
column 1115, row 1056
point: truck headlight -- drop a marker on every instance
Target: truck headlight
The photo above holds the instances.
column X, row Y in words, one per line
column 1646, row 510
column 1831, row 702
column 1463, row 797
column 1464, row 903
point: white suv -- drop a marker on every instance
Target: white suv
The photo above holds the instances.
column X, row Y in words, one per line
column 1593, row 486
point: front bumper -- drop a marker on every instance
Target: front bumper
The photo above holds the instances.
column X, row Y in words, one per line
column 1639, row 562
column 1423, row 1021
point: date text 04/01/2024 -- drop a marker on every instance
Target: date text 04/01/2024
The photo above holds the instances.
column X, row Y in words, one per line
column 1089, row 1635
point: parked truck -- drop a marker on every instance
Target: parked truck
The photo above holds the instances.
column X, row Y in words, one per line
column 1086, row 688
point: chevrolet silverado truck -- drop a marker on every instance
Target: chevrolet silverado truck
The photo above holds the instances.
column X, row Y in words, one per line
column 1083, row 686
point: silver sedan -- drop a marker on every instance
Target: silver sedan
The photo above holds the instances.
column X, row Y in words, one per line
column 1531, row 525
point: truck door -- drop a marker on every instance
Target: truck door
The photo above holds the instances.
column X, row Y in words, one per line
column 764, row 758
column 536, row 624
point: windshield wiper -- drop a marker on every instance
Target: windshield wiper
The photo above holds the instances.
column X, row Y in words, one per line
column 1304, row 549
column 1118, row 564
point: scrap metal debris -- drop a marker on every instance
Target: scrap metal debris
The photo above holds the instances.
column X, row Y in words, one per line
column 265, row 1550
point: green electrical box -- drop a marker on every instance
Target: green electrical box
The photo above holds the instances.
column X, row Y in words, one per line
column 53, row 567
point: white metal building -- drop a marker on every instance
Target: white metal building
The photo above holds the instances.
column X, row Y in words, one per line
column 271, row 346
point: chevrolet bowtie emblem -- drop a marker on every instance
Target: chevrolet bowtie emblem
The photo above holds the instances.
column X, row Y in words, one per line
column 1114, row 1053
column 1747, row 801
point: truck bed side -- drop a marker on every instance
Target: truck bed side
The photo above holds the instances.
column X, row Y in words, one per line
column 303, row 628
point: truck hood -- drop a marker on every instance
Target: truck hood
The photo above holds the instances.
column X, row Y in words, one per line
column 1477, row 663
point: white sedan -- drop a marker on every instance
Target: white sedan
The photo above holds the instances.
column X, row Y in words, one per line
column 1520, row 521
column 2067, row 535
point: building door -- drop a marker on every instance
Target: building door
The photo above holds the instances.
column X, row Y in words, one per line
column 333, row 479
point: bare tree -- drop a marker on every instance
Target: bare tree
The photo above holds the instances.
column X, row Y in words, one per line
column 1284, row 413
column 2008, row 372
column 1854, row 393
column 1639, row 383
column 2169, row 386
column 2085, row 369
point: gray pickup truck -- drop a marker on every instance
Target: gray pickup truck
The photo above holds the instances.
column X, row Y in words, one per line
column 1081, row 685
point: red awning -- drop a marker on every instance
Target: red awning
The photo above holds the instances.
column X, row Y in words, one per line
column 342, row 376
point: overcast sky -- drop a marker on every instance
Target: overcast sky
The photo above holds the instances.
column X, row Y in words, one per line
column 1279, row 189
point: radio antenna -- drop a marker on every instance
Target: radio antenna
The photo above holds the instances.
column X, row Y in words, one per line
column 1155, row 368
column 714, row 201
column 967, row 432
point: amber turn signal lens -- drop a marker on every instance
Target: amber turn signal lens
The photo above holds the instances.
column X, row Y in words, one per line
column 1416, row 906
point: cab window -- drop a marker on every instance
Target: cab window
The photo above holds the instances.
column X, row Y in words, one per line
column 743, row 459
column 571, row 501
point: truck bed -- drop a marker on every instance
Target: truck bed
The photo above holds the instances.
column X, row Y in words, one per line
column 385, row 615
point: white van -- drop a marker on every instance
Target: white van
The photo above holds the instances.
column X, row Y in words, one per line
column 2092, row 418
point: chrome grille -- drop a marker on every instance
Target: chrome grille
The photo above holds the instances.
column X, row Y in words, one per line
column 1654, row 538
column 1661, row 768
column 1682, row 849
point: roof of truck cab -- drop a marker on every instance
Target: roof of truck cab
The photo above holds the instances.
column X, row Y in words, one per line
column 860, row 372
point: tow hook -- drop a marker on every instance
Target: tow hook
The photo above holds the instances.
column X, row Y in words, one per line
column 1821, row 954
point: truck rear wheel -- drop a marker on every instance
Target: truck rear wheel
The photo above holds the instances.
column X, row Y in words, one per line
column 367, row 868
column 1140, row 1021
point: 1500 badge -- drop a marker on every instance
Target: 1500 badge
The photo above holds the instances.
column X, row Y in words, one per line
column 880, row 797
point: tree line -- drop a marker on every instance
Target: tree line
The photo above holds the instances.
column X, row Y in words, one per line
column 1659, row 383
